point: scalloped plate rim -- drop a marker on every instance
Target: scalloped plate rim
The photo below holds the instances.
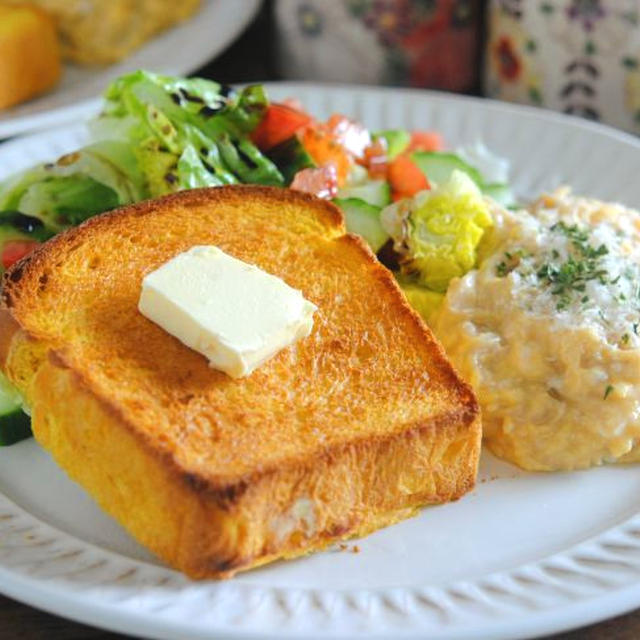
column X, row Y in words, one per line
column 72, row 605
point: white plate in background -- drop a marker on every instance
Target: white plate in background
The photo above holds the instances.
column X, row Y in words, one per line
column 178, row 50
column 524, row 554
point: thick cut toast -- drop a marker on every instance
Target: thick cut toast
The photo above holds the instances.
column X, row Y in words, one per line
column 346, row 431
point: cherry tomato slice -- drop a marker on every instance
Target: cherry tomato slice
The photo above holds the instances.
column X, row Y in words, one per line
column 280, row 123
column 406, row 178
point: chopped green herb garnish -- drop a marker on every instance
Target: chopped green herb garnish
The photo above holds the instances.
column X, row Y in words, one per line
column 571, row 275
column 567, row 271
column 624, row 339
column 580, row 240
column 572, row 231
column 607, row 391
column 579, row 268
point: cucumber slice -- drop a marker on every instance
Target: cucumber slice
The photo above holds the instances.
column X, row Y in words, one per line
column 438, row 166
column 290, row 157
column 15, row 425
column 364, row 219
column 375, row 192
column 397, row 141
column 501, row 193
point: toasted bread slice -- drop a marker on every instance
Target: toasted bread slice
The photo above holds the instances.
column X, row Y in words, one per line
column 346, row 431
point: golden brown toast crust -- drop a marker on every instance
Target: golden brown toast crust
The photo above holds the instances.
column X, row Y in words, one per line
column 348, row 430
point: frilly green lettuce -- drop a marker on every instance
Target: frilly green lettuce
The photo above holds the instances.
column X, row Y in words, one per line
column 79, row 184
column 187, row 132
column 437, row 233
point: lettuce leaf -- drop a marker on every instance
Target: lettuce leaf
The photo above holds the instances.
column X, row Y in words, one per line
column 445, row 230
column 78, row 185
column 62, row 202
column 194, row 129
column 438, row 231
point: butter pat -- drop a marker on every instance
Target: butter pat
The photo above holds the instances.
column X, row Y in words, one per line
column 232, row 312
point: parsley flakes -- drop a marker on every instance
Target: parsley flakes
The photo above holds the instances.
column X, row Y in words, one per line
column 570, row 276
column 566, row 277
column 582, row 265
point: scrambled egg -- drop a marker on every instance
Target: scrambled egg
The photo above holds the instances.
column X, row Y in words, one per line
column 547, row 330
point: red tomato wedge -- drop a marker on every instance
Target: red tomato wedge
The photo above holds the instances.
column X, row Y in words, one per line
column 425, row 141
column 280, row 122
column 16, row 249
column 405, row 178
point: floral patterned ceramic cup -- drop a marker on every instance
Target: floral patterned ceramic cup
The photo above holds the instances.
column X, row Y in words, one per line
column 422, row 43
column 577, row 56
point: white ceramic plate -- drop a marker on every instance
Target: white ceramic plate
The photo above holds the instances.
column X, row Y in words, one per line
column 178, row 50
column 523, row 555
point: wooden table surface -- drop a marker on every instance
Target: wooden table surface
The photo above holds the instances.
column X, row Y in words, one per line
column 249, row 59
